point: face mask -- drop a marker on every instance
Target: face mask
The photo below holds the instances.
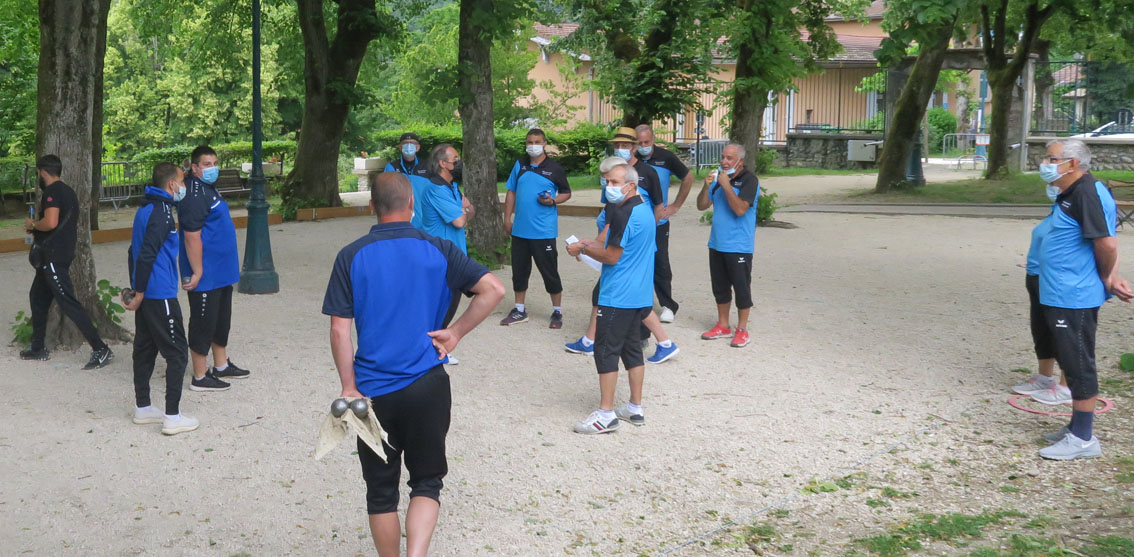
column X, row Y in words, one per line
column 456, row 171
column 602, row 181
column 1049, row 172
column 614, row 194
column 1052, row 192
column 646, row 151
column 624, row 154
column 534, row 150
column 209, row 175
column 730, row 171
column 177, row 197
column 409, row 150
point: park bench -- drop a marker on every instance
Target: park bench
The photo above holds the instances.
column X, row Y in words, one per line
column 229, row 181
column 1125, row 208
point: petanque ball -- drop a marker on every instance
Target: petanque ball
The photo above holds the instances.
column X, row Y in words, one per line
column 128, row 295
column 339, row 407
column 186, row 280
column 359, row 407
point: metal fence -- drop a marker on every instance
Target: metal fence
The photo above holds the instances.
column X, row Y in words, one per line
column 1080, row 97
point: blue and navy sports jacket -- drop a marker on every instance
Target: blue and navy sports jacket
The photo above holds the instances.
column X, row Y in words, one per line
column 154, row 246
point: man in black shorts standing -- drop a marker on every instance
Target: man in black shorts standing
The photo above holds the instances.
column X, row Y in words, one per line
column 210, row 265
column 398, row 312
column 55, row 233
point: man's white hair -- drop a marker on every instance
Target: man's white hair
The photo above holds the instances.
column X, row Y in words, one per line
column 629, row 173
column 1074, row 149
column 740, row 150
column 609, row 163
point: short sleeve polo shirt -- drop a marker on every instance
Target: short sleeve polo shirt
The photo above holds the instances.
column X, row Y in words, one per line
column 731, row 233
column 204, row 210
column 415, row 167
column 59, row 244
column 396, row 283
column 1069, row 277
column 1038, row 233
column 534, row 220
column 649, row 187
column 441, row 205
column 419, row 180
column 629, row 284
column 666, row 165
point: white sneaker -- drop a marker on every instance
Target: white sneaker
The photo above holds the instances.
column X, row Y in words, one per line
column 1071, row 447
column 1033, row 385
column 666, row 315
column 624, row 413
column 148, row 415
column 1056, row 394
column 453, row 360
column 594, row 424
column 1054, row 437
column 179, row 424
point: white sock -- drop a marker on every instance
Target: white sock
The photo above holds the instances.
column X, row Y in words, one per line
column 666, row 343
column 557, row 308
column 144, row 408
column 220, row 367
column 173, row 417
column 520, row 308
column 587, row 341
column 606, row 415
column 1044, row 379
column 633, row 408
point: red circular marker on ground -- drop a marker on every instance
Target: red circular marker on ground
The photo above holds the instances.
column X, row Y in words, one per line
column 1107, row 406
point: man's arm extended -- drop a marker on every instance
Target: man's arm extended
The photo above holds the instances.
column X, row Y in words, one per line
column 487, row 293
column 342, row 349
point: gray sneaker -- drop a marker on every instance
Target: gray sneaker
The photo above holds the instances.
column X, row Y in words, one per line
column 1071, row 447
column 1056, row 436
column 624, row 414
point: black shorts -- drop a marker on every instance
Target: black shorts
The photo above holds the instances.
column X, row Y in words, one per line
column 644, row 330
column 546, row 257
column 210, row 318
column 617, row 336
column 1041, row 335
column 1073, row 335
column 728, row 273
column 416, row 419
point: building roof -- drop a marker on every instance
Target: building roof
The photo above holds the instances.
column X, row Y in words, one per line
column 873, row 11
column 555, row 31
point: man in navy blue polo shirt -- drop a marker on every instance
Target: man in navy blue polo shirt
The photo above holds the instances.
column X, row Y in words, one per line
column 1078, row 271
column 536, row 186
column 397, row 310
column 157, row 317
column 667, row 165
column 731, row 192
column 626, row 297
column 409, row 163
column 210, row 265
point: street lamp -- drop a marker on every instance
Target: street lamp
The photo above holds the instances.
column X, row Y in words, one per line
column 259, row 273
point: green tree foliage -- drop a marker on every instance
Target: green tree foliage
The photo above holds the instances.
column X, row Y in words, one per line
column 19, row 56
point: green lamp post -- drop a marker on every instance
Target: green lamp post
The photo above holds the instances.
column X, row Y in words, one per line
column 259, row 273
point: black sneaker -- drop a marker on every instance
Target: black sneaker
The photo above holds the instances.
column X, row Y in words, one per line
column 208, row 383
column 31, row 354
column 231, row 372
column 99, row 358
column 556, row 320
column 514, row 316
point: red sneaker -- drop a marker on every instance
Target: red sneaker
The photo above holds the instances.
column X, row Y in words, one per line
column 740, row 340
column 716, row 332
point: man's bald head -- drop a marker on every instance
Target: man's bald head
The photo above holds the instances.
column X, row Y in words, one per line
column 391, row 194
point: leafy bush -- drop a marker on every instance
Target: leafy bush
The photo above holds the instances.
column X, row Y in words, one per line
column 22, row 329
column 764, row 160
column 12, row 173
column 230, row 154
column 941, row 122
column 765, row 208
column 108, row 296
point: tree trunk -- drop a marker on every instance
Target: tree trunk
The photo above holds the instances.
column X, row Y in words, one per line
column 1000, row 84
column 65, row 116
column 1045, row 81
column 910, row 109
column 748, row 105
column 486, row 229
column 331, row 71
column 96, row 118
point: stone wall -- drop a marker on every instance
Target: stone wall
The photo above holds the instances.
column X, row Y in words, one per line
column 1106, row 153
column 824, row 150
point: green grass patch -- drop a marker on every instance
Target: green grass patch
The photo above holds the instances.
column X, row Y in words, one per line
column 1125, row 362
column 755, row 536
column 1125, row 470
column 1109, row 546
column 1016, row 188
column 1009, row 489
column 948, row 528
column 1026, row 546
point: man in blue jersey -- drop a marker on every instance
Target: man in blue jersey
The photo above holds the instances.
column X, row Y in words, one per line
column 397, row 311
column 731, row 192
column 445, row 210
column 626, row 251
column 1078, row 272
column 536, row 186
column 409, row 163
column 666, row 165
column 210, row 265
column 158, row 326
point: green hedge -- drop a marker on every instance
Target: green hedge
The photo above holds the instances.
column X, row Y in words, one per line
column 579, row 149
column 230, row 154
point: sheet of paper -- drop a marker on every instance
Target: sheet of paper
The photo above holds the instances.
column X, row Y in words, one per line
column 590, row 261
column 571, row 240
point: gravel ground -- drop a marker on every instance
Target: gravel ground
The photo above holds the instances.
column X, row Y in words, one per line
column 866, row 331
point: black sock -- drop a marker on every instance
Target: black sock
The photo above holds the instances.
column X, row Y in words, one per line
column 1081, row 424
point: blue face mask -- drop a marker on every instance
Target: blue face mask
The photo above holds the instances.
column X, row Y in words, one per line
column 614, row 194
column 730, row 171
column 646, row 151
column 210, row 175
column 409, row 150
column 602, row 181
column 1049, row 171
column 177, row 197
column 623, row 154
column 1052, row 192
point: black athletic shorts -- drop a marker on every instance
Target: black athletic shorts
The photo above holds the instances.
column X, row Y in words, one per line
column 210, row 318
column 1073, row 335
column 1041, row 335
column 416, row 419
column 546, row 257
column 617, row 336
column 728, row 273
column 644, row 330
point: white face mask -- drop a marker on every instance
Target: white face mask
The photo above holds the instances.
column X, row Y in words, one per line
column 534, row 150
column 177, row 197
column 614, row 194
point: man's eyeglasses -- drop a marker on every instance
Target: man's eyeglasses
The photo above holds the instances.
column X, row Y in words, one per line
column 1051, row 159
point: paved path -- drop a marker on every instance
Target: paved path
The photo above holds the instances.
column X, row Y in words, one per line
column 938, row 209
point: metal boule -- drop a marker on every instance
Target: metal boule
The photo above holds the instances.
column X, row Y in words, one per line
column 360, row 407
column 339, row 407
column 128, row 295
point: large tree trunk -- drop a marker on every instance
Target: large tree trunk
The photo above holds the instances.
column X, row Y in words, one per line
column 69, row 67
column 331, row 71
column 486, row 229
column 1001, row 85
column 1045, row 81
column 748, row 105
column 96, row 117
column 910, row 109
